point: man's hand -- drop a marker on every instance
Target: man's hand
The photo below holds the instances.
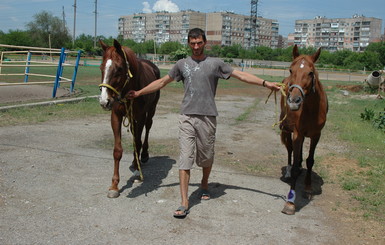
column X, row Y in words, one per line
column 132, row 94
column 272, row 86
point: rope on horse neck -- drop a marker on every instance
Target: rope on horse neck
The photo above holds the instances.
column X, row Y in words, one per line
column 283, row 93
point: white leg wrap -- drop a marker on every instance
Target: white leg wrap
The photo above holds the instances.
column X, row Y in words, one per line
column 291, row 196
column 288, row 171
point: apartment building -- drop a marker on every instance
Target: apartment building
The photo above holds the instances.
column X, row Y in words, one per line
column 161, row 26
column 222, row 28
column 353, row 34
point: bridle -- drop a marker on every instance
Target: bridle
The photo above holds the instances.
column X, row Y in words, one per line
column 301, row 89
column 129, row 76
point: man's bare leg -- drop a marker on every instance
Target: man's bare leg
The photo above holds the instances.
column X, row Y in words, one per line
column 184, row 179
column 205, row 181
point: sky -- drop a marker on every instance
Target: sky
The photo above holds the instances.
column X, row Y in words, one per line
column 15, row 14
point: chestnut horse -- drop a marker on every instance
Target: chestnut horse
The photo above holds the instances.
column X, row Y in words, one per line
column 122, row 71
column 303, row 114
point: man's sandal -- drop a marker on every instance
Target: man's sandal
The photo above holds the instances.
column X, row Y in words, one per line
column 184, row 212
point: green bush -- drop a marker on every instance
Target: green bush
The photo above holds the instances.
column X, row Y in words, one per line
column 367, row 115
column 379, row 121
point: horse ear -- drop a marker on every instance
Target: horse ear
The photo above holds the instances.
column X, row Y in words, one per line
column 117, row 45
column 316, row 55
column 104, row 46
column 295, row 52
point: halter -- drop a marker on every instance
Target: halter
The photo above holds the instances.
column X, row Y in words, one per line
column 300, row 88
column 129, row 76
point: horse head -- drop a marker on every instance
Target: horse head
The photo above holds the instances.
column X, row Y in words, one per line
column 302, row 79
column 116, row 74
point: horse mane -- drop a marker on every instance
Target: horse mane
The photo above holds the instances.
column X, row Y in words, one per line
column 131, row 59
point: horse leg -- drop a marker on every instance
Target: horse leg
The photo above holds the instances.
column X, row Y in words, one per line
column 309, row 165
column 148, row 124
column 287, row 141
column 137, row 134
column 301, row 154
column 116, row 124
column 289, row 207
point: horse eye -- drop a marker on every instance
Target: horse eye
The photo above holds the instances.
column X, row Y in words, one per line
column 290, row 70
column 311, row 74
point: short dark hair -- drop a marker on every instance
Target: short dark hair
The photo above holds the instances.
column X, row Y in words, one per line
column 195, row 33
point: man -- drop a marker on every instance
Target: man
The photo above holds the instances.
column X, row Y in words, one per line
column 197, row 120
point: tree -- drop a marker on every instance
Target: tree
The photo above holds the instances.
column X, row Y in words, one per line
column 378, row 48
column 47, row 27
column 169, row 47
column 231, row 51
column 265, row 53
column 179, row 54
column 215, row 51
column 16, row 37
column 85, row 42
column 149, row 46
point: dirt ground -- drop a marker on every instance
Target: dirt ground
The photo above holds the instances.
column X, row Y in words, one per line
column 54, row 179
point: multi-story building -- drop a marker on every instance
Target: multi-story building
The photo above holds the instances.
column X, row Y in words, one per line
column 222, row 28
column 161, row 26
column 225, row 28
column 338, row 33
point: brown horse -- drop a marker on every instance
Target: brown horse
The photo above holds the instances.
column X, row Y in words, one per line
column 122, row 71
column 303, row 114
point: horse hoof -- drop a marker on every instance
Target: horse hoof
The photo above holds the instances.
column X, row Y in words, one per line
column 308, row 195
column 144, row 159
column 113, row 194
column 289, row 208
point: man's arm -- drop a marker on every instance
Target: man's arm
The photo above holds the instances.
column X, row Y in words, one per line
column 252, row 79
column 152, row 87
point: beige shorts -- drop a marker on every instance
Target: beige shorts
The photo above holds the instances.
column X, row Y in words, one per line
column 196, row 140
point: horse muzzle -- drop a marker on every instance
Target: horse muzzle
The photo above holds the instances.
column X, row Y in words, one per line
column 106, row 104
column 294, row 102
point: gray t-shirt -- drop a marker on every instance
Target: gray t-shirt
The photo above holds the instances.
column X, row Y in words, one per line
column 200, row 80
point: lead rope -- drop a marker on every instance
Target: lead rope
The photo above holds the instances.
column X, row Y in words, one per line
column 130, row 116
column 130, row 121
column 282, row 90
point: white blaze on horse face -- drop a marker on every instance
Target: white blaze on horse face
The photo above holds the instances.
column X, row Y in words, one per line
column 103, row 100
column 302, row 65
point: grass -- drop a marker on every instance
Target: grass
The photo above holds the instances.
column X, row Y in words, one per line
column 365, row 182
column 247, row 112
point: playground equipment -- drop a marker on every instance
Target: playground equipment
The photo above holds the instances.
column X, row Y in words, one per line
column 44, row 61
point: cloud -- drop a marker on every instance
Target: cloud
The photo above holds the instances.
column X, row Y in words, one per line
column 146, row 7
column 160, row 5
column 165, row 5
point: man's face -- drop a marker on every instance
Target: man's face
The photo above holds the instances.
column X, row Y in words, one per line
column 197, row 45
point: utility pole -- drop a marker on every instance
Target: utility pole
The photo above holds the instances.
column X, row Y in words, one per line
column 96, row 21
column 254, row 23
column 73, row 36
column 64, row 20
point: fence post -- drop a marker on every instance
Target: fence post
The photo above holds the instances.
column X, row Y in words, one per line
column 27, row 67
column 58, row 72
column 75, row 71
